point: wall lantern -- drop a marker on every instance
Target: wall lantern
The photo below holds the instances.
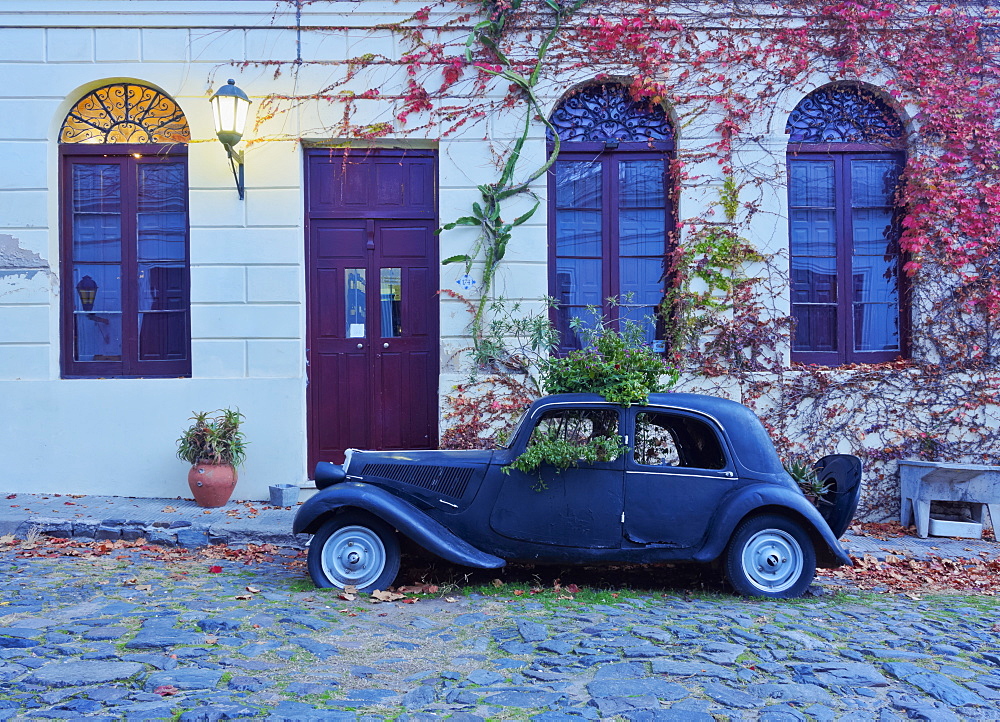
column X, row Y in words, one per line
column 229, row 108
column 87, row 290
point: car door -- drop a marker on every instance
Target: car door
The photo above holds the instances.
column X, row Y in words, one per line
column 676, row 475
column 580, row 506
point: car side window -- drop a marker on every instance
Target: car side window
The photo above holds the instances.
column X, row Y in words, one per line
column 575, row 426
column 676, row 440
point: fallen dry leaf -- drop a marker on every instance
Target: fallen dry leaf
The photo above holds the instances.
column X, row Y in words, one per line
column 253, row 590
column 497, row 583
column 144, row 587
column 347, row 597
column 411, row 600
column 450, row 600
column 166, row 690
column 387, row 596
column 243, row 597
column 215, row 569
column 168, row 510
column 419, row 589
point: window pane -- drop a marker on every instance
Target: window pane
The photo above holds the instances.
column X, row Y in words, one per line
column 814, row 280
column 578, row 281
column 641, row 281
column 98, row 337
column 811, row 183
column 161, row 219
column 666, row 439
column 162, row 336
column 162, row 286
column 568, row 337
column 876, row 327
column 96, row 188
column 875, row 279
column 354, row 302
column 813, row 233
column 642, row 232
column 873, row 183
column 578, row 233
column 815, row 328
column 577, row 426
column 98, row 288
column 641, row 184
column 873, row 232
column 96, row 213
column 390, row 297
column 578, row 184
column 642, row 316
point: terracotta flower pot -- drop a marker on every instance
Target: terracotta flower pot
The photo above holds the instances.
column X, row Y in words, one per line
column 212, row 484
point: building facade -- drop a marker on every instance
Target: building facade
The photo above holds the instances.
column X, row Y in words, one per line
column 137, row 287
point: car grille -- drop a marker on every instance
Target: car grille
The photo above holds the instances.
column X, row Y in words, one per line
column 445, row 480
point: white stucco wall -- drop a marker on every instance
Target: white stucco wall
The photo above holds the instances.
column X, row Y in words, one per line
column 117, row 436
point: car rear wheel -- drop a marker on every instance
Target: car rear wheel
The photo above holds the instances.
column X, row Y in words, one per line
column 770, row 556
column 354, row 548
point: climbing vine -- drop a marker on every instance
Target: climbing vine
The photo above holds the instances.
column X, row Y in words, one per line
column 728, row 71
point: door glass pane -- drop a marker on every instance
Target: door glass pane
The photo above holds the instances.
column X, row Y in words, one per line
column 97, row 285
column 162, row 286
column 874, row 279
column 815, row 327
column 814, row 280
column 578, row 208
column 641, row 184
column 161, row 216
column 354, row 302
column 578, row 233
column 162, row 335
column 96, row 213
column 666, row 439
column 813, row 232
column 98, row 337
column 642, row 232
column 876, row 327
column 873, row 183
column 810, row 184
column 390, row 301
column 578, row 281
column 578, row 184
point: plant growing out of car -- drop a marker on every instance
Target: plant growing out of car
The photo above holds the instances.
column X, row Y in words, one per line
column 618, row 364
column 809, row 482
column 563, row 445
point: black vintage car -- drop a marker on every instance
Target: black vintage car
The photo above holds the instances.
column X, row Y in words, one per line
column 698, row 481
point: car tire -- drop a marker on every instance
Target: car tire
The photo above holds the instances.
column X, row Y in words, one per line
column 354, row 548
column 770, row 556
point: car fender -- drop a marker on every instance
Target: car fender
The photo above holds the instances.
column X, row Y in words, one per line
column 765, row 498
column 404, row 516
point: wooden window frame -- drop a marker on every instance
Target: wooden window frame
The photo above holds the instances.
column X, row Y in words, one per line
column 129, row 157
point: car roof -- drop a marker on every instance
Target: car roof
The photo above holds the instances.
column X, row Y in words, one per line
column 750, row 441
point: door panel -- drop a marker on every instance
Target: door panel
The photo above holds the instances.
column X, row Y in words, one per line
column 373, row 316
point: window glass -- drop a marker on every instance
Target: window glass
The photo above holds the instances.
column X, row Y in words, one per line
column 844, row 227
column 390, row 301
column 610, row 211
column 675, row 440
column 354, row 302
column 575, row 426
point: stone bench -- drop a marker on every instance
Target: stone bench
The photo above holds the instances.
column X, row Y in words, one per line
column 922, row 482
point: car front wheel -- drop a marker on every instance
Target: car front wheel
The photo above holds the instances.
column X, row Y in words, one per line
column 354, row 548
column 770, row 556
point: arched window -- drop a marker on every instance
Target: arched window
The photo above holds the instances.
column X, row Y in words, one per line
column 845, row 157
column 124, row 227
column 610, row 213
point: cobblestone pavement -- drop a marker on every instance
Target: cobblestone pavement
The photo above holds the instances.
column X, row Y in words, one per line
column 128, row 637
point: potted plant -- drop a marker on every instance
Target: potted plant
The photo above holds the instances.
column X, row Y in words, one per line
column 214, row 446
column 813, row 488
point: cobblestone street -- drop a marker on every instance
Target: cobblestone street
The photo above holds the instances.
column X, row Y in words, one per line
column 126, row 636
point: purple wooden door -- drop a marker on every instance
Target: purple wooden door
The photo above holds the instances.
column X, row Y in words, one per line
column 372, row 309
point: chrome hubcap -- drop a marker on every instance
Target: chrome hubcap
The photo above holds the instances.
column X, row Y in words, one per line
column 772, row 560
column 353, row 555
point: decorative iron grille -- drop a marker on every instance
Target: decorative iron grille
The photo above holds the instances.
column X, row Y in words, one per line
column 125, row 113
column 844, row 114
column 600, row 113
